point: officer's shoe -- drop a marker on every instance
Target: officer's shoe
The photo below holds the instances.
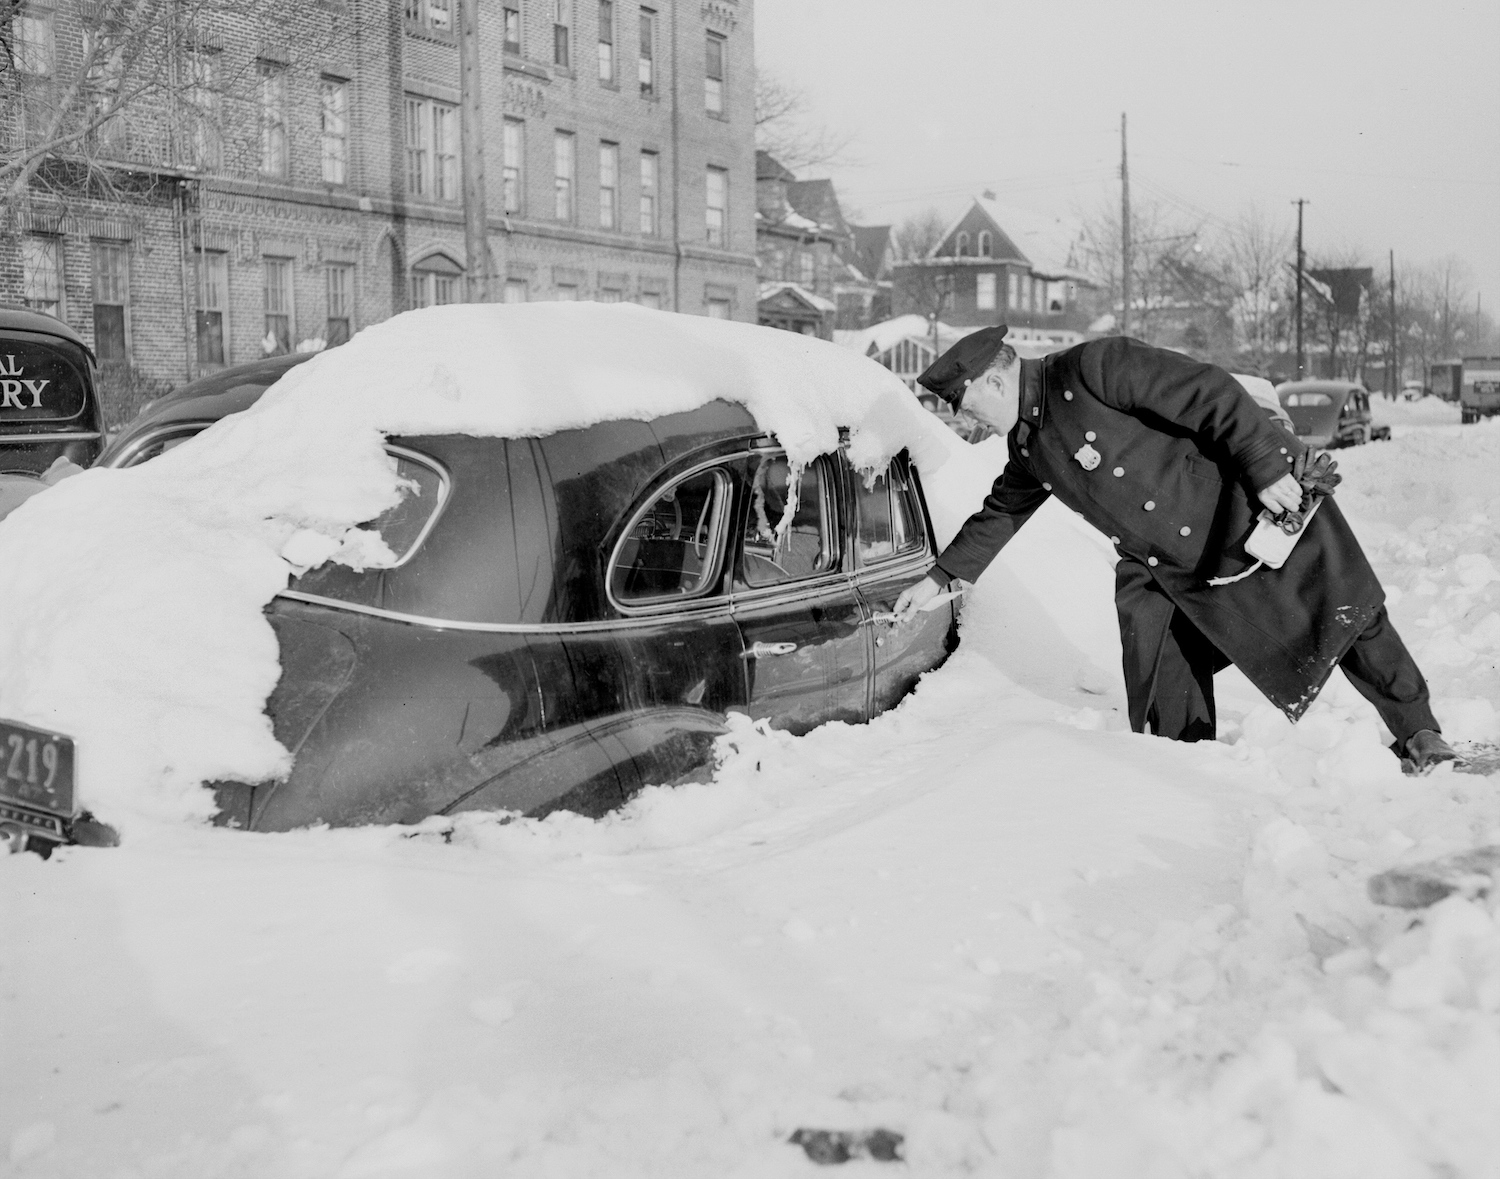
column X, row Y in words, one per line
column 1423, row 750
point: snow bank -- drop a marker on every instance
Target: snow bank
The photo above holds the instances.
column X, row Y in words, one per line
column 134, row 598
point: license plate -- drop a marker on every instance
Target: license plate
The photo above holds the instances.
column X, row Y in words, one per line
column 36, row 769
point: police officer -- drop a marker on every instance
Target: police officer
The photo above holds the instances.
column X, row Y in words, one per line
column 1173, row 461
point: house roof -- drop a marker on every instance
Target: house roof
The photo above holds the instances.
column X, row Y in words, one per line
column 771, row 290
column 768, row 167
column 1045, row 241
column 871, row 249
column 817, row 201
column 884, row 336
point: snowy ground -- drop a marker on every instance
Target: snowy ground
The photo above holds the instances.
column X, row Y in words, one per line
column 994, row 921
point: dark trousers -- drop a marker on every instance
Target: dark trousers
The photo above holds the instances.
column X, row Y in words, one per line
column 1170, row 666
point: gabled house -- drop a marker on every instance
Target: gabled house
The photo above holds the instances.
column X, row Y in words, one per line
column 1002, row 265
column 906, row 345
column 809, row 254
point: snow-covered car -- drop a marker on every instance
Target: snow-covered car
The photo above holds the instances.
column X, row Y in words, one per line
column 568, row 614
column 50, row 419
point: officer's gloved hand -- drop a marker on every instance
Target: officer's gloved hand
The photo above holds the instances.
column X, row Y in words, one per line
column 1317, row 473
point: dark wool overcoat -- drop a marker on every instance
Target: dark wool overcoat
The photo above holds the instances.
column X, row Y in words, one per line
column 1181, row 450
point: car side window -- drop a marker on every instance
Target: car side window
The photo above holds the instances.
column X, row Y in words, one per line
column 890, row 522
column 806, row 548
column 672, row 548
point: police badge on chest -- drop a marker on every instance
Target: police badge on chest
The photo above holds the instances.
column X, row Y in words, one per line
column 1087, row 456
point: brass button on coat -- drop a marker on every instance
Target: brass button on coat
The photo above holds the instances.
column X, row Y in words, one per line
column 1119, row 472
column 1185, row 531
column 1067, row 395
column 1090, row 436
column 1114, row 540
column 1046, row 487
column 1025, row 453
column 1149, row 505
column 1151, row 561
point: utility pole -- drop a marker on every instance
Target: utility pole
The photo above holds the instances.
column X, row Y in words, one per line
column 471, row 132
column 1394, row 364
column 1301, row 359
column 1125, row 259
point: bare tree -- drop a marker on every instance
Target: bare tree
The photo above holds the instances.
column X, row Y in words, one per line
column 785, row 129
column 1253, row 252
column 929, row 289
column 97, row 89
column 1168, row 267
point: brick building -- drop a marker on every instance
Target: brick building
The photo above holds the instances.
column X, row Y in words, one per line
column 301, row 177
column 997, row 265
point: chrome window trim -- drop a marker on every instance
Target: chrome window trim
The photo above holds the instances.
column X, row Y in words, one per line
column 444, row 492
column 882, row 564
column 718, row 607
column 76, row 436
column 126, row 458
column 717, row 535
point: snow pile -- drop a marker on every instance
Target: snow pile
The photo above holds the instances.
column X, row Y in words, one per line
column 134, row 598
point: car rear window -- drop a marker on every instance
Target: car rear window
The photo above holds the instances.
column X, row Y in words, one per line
column 1307, row 400
column 890, row 522
column 41, row 382
column 806, row 547
column 402, row 527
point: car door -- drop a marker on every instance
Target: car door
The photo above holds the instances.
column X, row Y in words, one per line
column 800, row 618
column 893, row 550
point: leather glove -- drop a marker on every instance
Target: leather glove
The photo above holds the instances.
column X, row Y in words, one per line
column 1317, row 473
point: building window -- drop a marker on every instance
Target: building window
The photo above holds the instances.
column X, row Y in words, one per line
column 651, row 300
column 213, row 299
column 334, row 96
column 606, row 41
column 986, row 244
column 431, row 149
column 516, row 290
column 278, row 338
column 205, row 135
column 718, row 308
column 32, row 44
column 562, row 176
column 609, row 185
column 434, row 282
column 339, row 281
column 111, row 298
column 566, row 293
column 963, row 245
column 560, row 33
column 513, row 149
column 41, row 274
column 513, row 31
column 431, row 14
column 806, row 268
column 648, row 52
column 273, row 144
column 718, row 205
column 1025, row 292
column 611, row 295
column 713, row 76
column 1013, row 299
column 650, row 168
column 984, row 292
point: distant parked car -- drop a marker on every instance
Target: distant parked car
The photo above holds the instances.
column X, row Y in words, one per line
column 50, row 420
column 571, row 616
column 1479, row 395
column 1330, row 413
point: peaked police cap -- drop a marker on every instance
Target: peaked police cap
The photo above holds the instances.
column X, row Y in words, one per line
column 949, row 375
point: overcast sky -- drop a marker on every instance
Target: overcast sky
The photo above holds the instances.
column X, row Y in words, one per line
column 1386, row 117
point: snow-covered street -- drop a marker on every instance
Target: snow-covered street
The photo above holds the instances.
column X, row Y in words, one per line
column 992, row 920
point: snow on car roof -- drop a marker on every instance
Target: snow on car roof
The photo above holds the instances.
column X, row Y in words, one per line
column 134, row 597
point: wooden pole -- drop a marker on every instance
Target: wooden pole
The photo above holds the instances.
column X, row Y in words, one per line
column 1125, row 251
column 1395, row 363
column 1301, row 359
column 471, row 134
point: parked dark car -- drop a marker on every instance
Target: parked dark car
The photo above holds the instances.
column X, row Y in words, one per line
column 572, row 616
column 50, row 418
column 1330, row 413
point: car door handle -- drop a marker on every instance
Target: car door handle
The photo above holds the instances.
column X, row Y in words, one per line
column 759, row 649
